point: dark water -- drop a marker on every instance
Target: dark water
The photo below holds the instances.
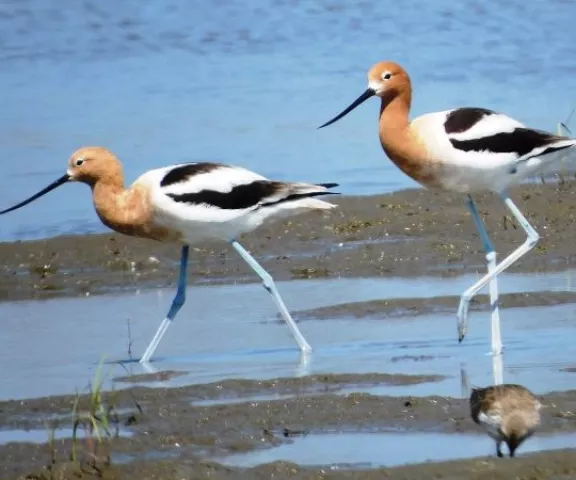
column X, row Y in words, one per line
column 247, row 83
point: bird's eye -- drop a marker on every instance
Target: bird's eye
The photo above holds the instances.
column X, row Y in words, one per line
column 387, row 76
column 79, row 162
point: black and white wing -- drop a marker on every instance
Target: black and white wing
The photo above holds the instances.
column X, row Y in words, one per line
column 215, row 192
column 481, row 130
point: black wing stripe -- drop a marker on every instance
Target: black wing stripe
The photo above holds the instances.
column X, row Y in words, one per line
column 463, row 119
column 297, row 196
column 551, row 149
column 520, row 141
column 242, row 196
column 184, row 172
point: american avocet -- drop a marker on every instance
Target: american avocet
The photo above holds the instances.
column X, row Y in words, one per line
column 508, row 413
column 186, row 204
column 464, row 150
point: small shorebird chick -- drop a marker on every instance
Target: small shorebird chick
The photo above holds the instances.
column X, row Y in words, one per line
column 508, row 413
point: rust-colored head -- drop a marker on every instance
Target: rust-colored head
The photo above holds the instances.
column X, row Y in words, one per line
column 387, row 80
column 89, row 165
column 92, row 164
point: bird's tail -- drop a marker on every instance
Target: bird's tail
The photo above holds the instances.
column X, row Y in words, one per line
column 305, row 193
column 327, row 185
column 301, row 195
column 316, row 204
column 558, row 162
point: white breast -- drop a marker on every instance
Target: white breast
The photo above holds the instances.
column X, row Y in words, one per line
column 491, row 423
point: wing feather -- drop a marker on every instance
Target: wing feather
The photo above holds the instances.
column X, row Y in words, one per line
column 480, row 130
column 213, row 192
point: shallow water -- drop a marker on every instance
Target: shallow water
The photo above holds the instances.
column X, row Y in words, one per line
column 248, row 82
column 54, row 346
column 120, row 458
column 366, row 450
column 43, row 436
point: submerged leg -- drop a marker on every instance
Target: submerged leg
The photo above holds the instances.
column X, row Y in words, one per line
column 269, row 285
column 529, row 244
column 177, row 303
column 491, row 262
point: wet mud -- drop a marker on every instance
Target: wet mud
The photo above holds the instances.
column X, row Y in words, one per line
column 409, row 233
column 412, row 307
column 188, row 432
column 161, row 433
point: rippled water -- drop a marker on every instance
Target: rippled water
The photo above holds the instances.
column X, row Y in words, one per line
column 211, row 341
column 243, row 82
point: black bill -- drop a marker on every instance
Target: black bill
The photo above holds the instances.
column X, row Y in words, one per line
column 61, row 181
column 361, row 99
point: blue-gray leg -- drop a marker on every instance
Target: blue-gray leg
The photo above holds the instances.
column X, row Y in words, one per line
column 177, row 303
column 530, row 242
column 269, row 285
column 491, row 262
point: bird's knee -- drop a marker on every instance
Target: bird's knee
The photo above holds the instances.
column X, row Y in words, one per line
column 533, row 239
column 465, row 298
column 490, row 257
column 179, row 300
column 267, row 281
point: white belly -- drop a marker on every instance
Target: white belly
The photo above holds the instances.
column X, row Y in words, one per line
column 492, row 172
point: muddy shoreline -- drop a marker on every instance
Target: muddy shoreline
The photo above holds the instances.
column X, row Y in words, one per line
column 166, row 433
column 188, row 436
column 409, row 233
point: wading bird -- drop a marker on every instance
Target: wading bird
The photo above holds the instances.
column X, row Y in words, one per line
column 508, row 413
column 465, row 150
column 187, row 204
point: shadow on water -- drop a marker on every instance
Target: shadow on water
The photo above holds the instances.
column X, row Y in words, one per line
column 234, row 332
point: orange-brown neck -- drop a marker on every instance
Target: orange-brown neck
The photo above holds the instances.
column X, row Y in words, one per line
column 127, row 211
column 401, row 143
